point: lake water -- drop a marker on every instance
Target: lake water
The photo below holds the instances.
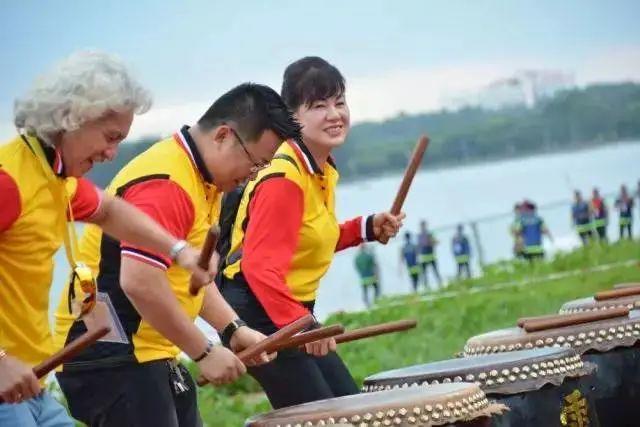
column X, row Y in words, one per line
column 449, row 196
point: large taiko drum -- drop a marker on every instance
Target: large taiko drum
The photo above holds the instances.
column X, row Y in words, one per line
column 460, row 404
column 625, row 295
column 541, row 387
column 610, row 343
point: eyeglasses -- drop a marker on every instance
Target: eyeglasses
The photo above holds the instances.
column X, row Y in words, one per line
column 257, row 166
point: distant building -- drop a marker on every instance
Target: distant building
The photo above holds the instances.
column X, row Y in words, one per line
column 525, row 88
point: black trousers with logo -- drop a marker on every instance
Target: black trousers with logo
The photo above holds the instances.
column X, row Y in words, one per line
column 132, row 395
column 294, row 377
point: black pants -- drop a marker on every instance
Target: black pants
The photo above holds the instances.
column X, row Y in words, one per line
column 585, row 236
column 415, row 279
column 365, row 293
column 134, row 395
column 627, row 228
column 434, row 266
column 463, row 267
column 602, row 232
column 294, row 377
column 531, row 257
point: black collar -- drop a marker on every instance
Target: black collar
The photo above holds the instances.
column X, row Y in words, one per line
column 195, row 155
column 309, row 156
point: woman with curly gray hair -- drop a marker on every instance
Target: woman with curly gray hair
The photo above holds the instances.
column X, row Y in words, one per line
column 72, row 117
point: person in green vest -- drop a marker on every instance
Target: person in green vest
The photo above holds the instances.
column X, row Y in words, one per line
column 462, row 252
column 427, row 253
column 409, row 257
column 599, row 215
column 367, row 267
column 532, row 227
column 581, row 217
column 514, row 229
column 624, row 204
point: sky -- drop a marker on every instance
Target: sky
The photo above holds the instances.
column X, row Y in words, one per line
column 397, row 56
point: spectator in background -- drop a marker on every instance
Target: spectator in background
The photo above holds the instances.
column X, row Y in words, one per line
column 518, row 246
column 427, row 253
column 409, row 257
column 637, row 193
column 461, row 251
column 624, row 204
column 369, row 276
column 531, row 227
column 581, row 217
column 599, row 215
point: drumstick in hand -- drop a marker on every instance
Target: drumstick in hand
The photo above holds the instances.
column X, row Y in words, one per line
column 271, row 341
column 69, row 351
column 205, row 256
column 409, row 173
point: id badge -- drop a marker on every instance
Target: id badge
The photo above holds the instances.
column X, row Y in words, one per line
column 104, row 314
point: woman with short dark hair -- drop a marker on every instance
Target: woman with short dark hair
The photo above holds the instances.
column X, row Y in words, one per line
column 286, row 233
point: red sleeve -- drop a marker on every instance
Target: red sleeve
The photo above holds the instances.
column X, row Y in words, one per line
column 9, row 200
column 354, row 232
column 86, row 200
column 275, row 213
column 169, row 205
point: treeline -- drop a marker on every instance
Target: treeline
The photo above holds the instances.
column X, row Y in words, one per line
column 572, row 119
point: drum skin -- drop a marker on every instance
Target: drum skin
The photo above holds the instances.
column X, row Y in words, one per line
column 553, row 398
column 460, row 404
column 612, row 345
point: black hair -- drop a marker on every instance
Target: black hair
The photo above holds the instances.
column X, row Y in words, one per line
column 310, row 79
column 252, row 108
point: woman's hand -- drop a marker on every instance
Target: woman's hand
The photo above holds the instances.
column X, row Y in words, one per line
column 386, row 225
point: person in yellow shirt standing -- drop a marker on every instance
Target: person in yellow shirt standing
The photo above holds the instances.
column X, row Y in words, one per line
column 286, row 233
column 74, row 116
column 177, row 182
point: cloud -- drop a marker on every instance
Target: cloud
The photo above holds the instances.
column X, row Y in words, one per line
column 614, row 65
column 414, row 90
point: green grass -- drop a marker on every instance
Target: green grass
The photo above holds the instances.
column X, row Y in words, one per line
column 445, row 324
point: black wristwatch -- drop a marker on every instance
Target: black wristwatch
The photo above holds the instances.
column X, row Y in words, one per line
column 229, row 330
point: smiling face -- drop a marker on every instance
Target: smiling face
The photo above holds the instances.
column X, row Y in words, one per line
column 325, row 123
column 95, row 141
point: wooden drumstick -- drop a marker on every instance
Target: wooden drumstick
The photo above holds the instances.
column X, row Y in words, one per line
column 409, row 173
column 270, row 342
column 68, row 352
column 561, row 320
column 205, row 256
column 307, row 337
column 375, row 330
column 617, row 293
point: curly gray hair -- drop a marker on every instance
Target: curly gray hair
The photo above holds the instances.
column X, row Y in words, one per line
column 83, row 87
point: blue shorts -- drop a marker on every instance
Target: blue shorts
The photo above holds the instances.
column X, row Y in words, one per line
column 41, row 411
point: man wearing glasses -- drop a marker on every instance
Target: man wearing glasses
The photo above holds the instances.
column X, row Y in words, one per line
column 178, row 182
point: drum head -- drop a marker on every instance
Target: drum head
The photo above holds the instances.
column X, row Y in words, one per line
column 590, row 304
column 434, row 405
column 602, row 335
column 502, row 373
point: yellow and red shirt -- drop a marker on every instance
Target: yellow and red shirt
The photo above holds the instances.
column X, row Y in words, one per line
column 286, row 232
column 171, row 184
column 32, row 226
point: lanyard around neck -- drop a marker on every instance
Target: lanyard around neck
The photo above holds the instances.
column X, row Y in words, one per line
column 61, row 198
